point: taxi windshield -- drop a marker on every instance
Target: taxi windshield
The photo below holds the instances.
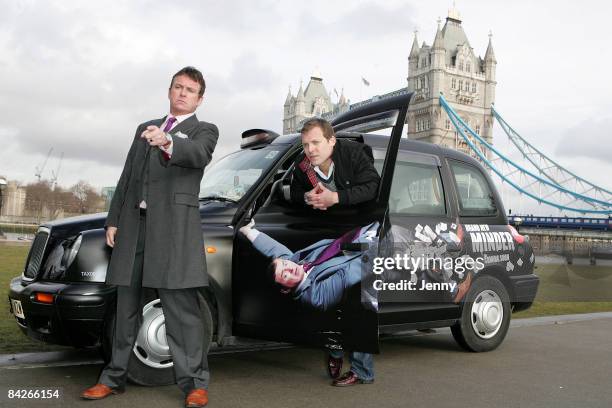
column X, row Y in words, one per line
column 231, row 177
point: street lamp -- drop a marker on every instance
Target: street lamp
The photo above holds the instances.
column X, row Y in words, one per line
column 2, row 187
column 517, row 222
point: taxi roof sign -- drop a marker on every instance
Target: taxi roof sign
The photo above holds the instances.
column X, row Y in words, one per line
column 254, row 137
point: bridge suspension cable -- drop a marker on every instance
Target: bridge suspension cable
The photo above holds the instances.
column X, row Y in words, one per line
column 543, row 190
column 550, row 168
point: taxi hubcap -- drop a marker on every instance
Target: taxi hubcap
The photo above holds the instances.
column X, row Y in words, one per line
column 151, row 346
column 487, row 314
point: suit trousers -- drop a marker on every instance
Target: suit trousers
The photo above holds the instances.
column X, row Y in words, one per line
column 184, row 329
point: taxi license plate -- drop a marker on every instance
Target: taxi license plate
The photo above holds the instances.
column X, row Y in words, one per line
column 17, row 309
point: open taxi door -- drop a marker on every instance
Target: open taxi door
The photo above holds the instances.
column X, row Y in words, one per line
column 260, row 310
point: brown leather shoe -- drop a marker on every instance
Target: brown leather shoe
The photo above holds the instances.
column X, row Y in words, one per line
column 99, row 391
column 348, row 379
column 334, row 366
column 463, row 288
column 197, row 398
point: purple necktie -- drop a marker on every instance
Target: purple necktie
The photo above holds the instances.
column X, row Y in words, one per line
column 333, row 249
column 169, row 124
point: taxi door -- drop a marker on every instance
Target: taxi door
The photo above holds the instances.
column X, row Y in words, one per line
column 259, row 309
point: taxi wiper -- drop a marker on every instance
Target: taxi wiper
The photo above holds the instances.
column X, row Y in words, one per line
column 218, row 198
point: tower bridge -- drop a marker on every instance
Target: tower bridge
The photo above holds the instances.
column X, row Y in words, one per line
column 454, row 106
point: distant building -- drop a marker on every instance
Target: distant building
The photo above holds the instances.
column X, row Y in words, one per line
column 107, row 194
column 467, row 82
column 13, row 200
column 449, row 66
column 314, row 101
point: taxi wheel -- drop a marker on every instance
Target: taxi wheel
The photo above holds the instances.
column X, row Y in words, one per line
column 151, row 362
column 485, row 316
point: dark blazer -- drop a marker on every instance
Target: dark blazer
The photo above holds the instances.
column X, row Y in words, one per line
column 327, row 282
column 354, row 174
column 174, row 247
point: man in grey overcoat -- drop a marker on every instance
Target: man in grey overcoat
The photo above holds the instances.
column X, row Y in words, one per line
column 154, row 228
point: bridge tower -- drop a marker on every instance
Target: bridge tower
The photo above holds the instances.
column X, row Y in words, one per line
column 315, row 101
column 467, row 81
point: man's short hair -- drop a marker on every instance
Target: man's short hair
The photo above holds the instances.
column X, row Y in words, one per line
column 271, row 275
column 271, row 271
column 325, row 126
column 195, row 75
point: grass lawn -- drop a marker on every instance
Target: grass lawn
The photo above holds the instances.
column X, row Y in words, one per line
column 569, row 289
column 19, row 228
column 564, row 289
column 561, row 308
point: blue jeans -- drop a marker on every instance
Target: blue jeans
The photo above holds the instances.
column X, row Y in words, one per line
column 362, row 364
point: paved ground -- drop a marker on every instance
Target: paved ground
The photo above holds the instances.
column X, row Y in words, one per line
column 545, row 362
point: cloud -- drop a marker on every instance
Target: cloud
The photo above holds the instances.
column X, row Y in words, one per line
column 590, row 139
column 81, row 85
column 368, row 22
column 247, row 97
column 79, row 76
column 79, row 114
column 243, row 16
column 93, row 119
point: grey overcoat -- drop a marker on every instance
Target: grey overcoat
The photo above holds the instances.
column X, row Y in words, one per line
column 174, row 247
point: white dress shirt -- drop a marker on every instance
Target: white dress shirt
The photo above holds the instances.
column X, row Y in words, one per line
column 179, row 119
column 168, row 150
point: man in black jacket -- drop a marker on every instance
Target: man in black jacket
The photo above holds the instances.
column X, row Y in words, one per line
column 330, row 171
column 335, row 172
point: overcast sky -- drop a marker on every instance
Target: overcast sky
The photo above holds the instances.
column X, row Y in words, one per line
column 80, row 76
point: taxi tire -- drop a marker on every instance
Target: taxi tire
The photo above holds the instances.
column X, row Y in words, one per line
column 464, row 332
column 142, row 374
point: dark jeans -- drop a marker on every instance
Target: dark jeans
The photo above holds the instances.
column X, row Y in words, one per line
column 362, row 364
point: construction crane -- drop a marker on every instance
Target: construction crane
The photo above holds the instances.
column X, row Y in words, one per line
column 40, row 169
column 55, row 173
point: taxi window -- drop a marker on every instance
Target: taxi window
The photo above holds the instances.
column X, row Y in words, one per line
column 416, row 190
column 475, row 196
column 233, row 175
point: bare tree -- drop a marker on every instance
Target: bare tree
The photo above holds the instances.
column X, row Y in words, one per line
column 86, row 198
column 36, row 195
column 43, row 201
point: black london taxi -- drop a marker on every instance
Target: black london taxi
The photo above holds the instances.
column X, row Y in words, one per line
column 433, row 195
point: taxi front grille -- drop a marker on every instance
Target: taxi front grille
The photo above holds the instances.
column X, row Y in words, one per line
column 37, row 252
